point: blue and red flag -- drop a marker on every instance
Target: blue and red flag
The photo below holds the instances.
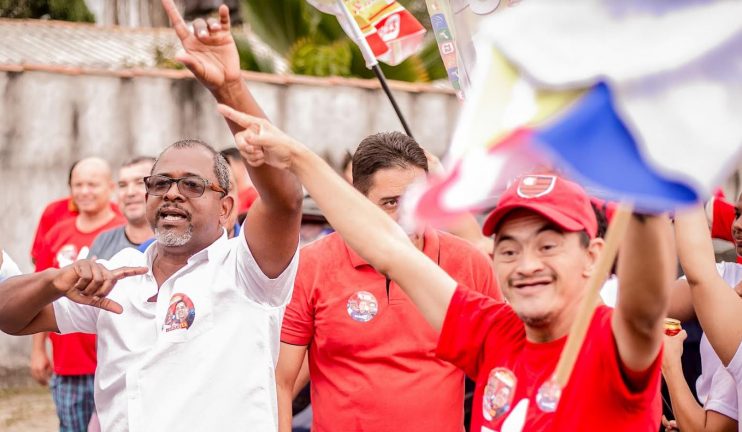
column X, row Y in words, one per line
column 638, row 100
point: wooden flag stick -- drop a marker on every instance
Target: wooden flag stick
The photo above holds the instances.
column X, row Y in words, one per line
column 614, row 234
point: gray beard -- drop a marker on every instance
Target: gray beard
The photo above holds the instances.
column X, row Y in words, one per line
column 171, row 238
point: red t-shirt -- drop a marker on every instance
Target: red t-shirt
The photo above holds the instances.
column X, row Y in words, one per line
column 371, row 353
column 54, row 213
column 74, row 354
column 488, row 341
column 246, row 197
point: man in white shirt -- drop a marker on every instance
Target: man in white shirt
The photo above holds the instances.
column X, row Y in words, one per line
column 189, row 336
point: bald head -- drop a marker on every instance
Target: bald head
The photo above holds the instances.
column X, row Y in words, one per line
column 92, row 165
column 91, row 185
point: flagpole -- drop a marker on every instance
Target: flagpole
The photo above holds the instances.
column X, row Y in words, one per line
column 551, row 390
column 372, row 63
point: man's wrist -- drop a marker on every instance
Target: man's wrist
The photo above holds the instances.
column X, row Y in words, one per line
column 230, row 92
column 51, row 275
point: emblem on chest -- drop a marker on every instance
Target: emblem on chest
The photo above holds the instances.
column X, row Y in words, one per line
column 362, row 306
column 180, row 313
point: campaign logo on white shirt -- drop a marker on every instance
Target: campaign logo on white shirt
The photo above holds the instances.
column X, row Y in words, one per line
column 180, row 313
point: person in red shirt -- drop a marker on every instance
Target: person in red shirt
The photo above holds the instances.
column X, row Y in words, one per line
column 55, row 212
column 545, row 251
column 371, row 353
column 74, row 355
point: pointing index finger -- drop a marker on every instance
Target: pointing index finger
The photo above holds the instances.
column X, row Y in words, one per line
column 242, row 119
column 125, row 272
column 181, row 29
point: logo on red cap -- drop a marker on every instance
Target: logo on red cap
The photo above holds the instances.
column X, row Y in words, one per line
column 534, row 186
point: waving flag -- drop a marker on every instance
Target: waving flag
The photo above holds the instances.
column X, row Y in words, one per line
column 391, row 31
column 639, row 100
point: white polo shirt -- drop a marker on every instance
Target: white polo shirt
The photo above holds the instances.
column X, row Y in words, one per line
column 202, row 357
column 718, row 387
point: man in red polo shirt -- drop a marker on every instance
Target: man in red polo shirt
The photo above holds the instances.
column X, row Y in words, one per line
column 74, row 355
column 545, row 251
column 371, row 354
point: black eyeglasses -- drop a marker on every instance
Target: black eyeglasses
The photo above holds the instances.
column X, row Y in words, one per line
column 190, row 186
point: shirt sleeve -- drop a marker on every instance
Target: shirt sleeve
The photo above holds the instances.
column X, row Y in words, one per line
column 44, row 258
column 470, row 319
column 722, row 220
column 298, row 321
column 274, row 292
column 73, row 317
column 97, row 247
column 723, row 395
column 618, row 375
column 9, row 268
column 735, row 366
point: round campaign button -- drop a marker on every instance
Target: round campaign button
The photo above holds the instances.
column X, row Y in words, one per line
column 498, row 393
column 362, row 306
column 548, row 395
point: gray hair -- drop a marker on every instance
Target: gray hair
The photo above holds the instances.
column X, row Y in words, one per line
column 221, row 167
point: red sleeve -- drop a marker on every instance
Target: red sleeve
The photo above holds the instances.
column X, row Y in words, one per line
column 470, row 318
column 46, row 221
column 44, row 258
column 636, row 390
column 298, row 321
column 723, row 216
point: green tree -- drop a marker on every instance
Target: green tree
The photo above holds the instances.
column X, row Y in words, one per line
column 65, row 10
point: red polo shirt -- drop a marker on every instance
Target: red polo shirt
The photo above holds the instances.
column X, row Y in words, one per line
column 488, row 341
column 54, row 213
column 74, row 354
column 371, row 353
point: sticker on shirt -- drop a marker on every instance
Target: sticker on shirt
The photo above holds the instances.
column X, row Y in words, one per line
column 180, row 313
column 548, row 395
column 498, row 393
column 362, row 306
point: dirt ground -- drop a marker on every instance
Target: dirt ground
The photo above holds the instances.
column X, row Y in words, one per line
column 27, row 410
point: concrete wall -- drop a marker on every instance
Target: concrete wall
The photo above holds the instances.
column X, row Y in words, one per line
column 50, row 119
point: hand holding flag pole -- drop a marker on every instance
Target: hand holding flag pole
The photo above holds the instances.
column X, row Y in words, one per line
column 371, row 61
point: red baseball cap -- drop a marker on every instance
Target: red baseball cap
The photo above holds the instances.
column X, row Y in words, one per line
column 561, row 201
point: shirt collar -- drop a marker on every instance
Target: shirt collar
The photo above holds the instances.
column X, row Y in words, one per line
column 431, row 247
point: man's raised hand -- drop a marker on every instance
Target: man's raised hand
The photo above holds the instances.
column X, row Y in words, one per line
column 260, row 142
column 88, row 283
column 209, row 51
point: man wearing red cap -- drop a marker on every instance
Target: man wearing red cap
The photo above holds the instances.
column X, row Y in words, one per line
column 545, row 251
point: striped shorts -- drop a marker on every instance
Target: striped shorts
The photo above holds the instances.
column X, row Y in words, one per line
column 73, row 397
